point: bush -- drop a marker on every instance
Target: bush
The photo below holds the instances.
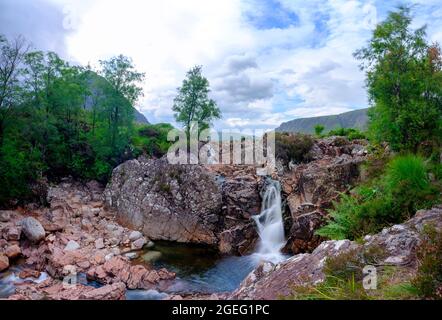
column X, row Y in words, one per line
column 350, row 133
column 152, row 139
column 391, row 199
column 293, row 147
column 319, row 129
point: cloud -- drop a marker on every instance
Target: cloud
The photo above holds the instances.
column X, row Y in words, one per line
column 39, row 21
column 268, row 61
column 239, row 63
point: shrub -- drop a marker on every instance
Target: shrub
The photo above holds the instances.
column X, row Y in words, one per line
column 293, row 147
column 387, row 200
column 152, row 139
column 319, row 129
column 350, row 133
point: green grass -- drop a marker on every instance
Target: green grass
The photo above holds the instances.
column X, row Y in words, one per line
column 389, row 199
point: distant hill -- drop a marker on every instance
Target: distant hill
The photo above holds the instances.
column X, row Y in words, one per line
column 96, row 82
column 356, row 119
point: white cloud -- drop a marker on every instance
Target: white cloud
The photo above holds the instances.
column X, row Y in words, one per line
column 260, row 75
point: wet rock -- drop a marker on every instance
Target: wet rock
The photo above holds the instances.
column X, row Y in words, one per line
column 4, row 262
column 29, row 273
column 151, row 256
column 119, row 269
column 13, row 251
column 33, row 230
column 131, row 255
column 138, row 244
column 115, row 291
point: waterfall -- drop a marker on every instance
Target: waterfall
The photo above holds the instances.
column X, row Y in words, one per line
column 270, row 225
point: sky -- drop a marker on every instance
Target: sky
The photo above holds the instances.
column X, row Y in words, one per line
column 267, row 61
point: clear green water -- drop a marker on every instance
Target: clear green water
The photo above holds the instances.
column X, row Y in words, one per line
column 199, row 268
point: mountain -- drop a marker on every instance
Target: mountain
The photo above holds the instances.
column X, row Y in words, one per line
column 96, row 85
column 356, row 119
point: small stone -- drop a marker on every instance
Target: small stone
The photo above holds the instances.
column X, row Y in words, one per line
column 150, row 244
column 135, row 235
column 113, row 242
column 13, row 234
column 28, row 273
column 87, row 225
column 71, row 246
column 151, row 256
column 13, row 251
column 4, row 262
column 5, row 215
column 99, row 258
column 84, row 264
column 138, row 244
column 131, row 255
column 109, row 256
column 99, row 243
column 33, row 229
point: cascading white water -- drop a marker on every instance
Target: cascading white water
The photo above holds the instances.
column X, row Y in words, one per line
column 270, row 225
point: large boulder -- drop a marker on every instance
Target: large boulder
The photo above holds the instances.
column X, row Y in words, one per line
column 310, row 188
column 398, row 244
column 166, row 202
column 187, row 203
column 33, row 229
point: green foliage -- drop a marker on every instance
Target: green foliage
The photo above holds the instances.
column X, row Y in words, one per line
column 152, row 139
column 319, row 129
column 350, row 133
column 392, row 198
column 58, row 120
column 404, row 80
column 293, row 147
column 121, row 74
column 428, row 280
column 192, row 104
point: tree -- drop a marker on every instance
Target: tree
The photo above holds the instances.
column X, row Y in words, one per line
column 121, row 74
column 319, row 129
column 404, row 84
column 192, row 104
column 12, row 54
column 123, row 92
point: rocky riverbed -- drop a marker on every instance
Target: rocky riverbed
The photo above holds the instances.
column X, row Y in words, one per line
column 113, row 242
column 76, row 237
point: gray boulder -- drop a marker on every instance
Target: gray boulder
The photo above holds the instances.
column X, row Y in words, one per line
column 166, row 202
column 33, row 230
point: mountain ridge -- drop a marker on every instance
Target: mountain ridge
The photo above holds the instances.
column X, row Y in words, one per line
column 356, row 119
